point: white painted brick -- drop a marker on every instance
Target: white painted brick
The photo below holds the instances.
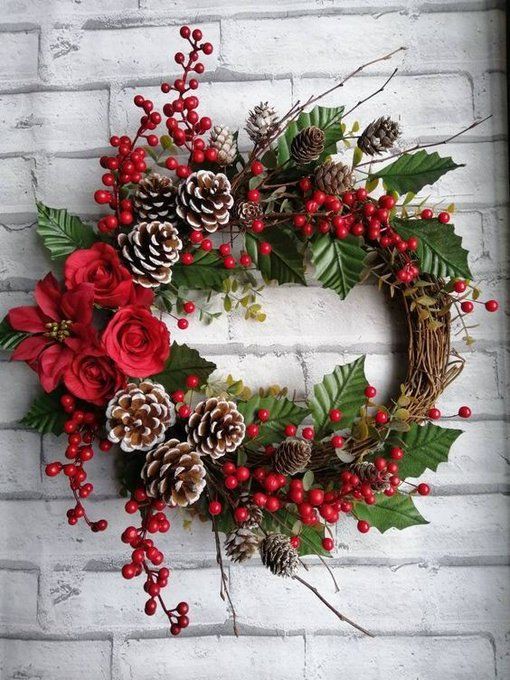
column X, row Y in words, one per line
column 39, row 9
column 19, row 598
column 490, row 99
column 23, row 258
column 55, row 659
column 13, row 299
column 55, row 121
column 496, row 235
column 19, row 462
column 18, row 56
column 401, row 658
column 16, row 191
column 69, row 183
column 16, row 402
column 194, row 658
column 129, row 53
column 273, row 368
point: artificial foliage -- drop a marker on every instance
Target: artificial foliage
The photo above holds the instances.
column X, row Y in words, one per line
column 191, row 216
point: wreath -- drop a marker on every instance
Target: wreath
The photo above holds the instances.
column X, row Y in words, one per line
column 185, row 211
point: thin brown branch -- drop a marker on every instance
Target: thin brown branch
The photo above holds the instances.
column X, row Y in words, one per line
column 224, row 590
column 362, row 101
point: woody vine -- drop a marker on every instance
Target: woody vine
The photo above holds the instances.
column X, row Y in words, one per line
column 188, row 218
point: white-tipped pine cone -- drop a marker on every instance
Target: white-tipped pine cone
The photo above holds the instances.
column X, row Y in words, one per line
column 154, row 199
column 139, row 415
column 241, row 544
column 333, row 178
column 225, row 144
column 278, row 555
column 379, row 136
column 292, row 456
column 204, row 200
column 174, row 473
column 262, row 122
column 367, row 472
column 216, row 427
column 255, row 513
column 247, row 211
column 150, row 251
column 307, row 145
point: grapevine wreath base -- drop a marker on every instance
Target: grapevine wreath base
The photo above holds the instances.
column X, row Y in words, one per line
column 185, row 210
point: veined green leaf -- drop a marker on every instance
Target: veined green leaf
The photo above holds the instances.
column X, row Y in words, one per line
column 338, row 262
column 284, row 263
column 282, row 412
column 413, row 171
column 390, row 512
column 62, row 233
column 183, row 361
column 46, row 415
column 9, row 338
column 206, row 272
column 327, row 119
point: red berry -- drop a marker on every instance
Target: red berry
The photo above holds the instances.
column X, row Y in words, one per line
column 423, row 489
column 387, row 201
column 128, row 571
column 272, row 504
column 426, row 214
column 465, row 412
column 241, row 515
column 381, row 417
column 187, row 258
column 337, row 441
column 253, row 195
column 295, row 542
column 257, row 226
column 327, row 544
column 53, row 469
column 231, row 482
column 252, row 430
column 184, row 411
column 206, row 245
column 257, row 168
column 370, row 392
column 245, row 260
column 443, row 217
column 263, row 415
column 434, row 414
column 189, row 307
column 177, row 396
column 396, row 453
column 290, row 430
column 260, row 499
column 271, row 483
column 182, row 324
column 363, row 526
column 308, row 433
column 491, row 305
column 192, row 382
column 459, row 286
column 131, row 507
column 316, row 496
column 242, row 473
column 467, row 306
column 265, row 248
column 224, row 249
column 335, row 415
column 228, row 468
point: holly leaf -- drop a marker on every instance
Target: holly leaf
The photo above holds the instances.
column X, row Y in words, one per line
column 285, row 261
column 390, row 512
column 183, row 361
column 440, row 250
column 61, row 232
column 282, row 412
column 46, row 415
column 338, row 262
column 323, row 117
column 9, row 338
column 342, row 389
column 425, row 446
column 207, row 272
column 283, row 522
column 413, row 171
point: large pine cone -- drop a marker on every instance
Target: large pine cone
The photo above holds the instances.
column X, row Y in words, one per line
column 150, row 250
column 204, row 200
column 367, row 472
column 174, row 473
column 333, row 178
column 139, row 415
column 216, row 427
column 262, row 122
column 247, row 211
column 241, row 544
column 278, row 555
column 379, row 136
column 224, row 142
column 154, row 199
column 292, row 456
column 307, row 145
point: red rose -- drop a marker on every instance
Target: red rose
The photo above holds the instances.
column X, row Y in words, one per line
column 137, row 341
column 92, row 376
column 113, row 285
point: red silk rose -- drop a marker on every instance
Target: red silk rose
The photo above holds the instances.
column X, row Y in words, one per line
column 93, row 376
column 100, row 266
column 137, row 341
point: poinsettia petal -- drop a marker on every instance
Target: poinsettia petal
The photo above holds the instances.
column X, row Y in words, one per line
column 77, row 303
column 27, row 319
column 52, row 363
column 30, row 348
column 47, row 295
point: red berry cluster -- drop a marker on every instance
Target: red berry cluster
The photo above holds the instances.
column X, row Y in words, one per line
column 81, row 429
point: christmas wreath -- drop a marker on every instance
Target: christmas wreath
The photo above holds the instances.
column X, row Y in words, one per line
column 185, row 211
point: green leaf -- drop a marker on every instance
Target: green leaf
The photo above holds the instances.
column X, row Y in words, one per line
column 62, row 233
column 207, row 272
column 440, row 250
column 9, row 338
column 282, row 412
column 284, row 263
column 425, row 446
column 282, row 522
column 338, row 262
column 183, row 361
column 390, row 512
column 342, row 389
column 225, row 523
column 45, row 415
column 413, row 171
column 327, row 119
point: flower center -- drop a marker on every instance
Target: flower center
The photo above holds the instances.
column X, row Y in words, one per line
column 59, row 330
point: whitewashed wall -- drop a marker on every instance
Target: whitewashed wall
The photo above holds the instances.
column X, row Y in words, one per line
column 437, row 596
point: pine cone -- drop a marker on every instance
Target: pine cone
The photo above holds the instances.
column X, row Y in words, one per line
column 367, row 472
column 154, row 199
column 262, row 122
column 225, row 144
column 278, row 555
column 292, row 456
column 379, row 136
column 216, row 427
column 333, row 178
column 241, row 544
column 204, row 200
column 255, row 514
column 174, row 473
column 139, row 415
column 307, row 145
column 150, row 250
column 247, row 211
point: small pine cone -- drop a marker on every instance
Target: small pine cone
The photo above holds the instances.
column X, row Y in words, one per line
column 333, row 178
column 216, row 427
column 247, row 211
column 225, row 144
column 262, row 122
column 204, row 200
column 154, row 199
column 379, row 136
column 367, row 472
column 278, row 555
column 150, row 251
column 241, row 544
column 307, row 145
column 139, row 415
column 174, row 473
column 292, row 456
column 255, row 514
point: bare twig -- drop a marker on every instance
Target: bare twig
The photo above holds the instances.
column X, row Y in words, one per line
column 224, row 590
column 362, row 101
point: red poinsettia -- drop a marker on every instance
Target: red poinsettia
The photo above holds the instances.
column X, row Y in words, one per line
column 57, row 324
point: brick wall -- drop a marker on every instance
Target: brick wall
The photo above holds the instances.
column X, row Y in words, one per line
column 438, row 596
